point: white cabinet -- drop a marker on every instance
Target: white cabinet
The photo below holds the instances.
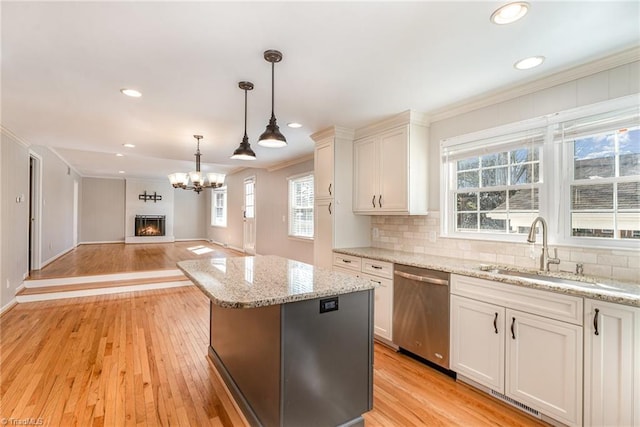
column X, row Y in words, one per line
column 611, row 364
column 520, row 342
column 543, row 365
column 335, row 224
column 477, row 341
column 390, row 167
column 381, row 274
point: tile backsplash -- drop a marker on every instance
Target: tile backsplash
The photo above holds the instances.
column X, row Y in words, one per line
column 421, row 234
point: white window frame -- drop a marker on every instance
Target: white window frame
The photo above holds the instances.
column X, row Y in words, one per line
column 214, row 206
column 556, row 174
column 291, row 180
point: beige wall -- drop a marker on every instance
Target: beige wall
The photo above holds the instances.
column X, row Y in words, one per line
column 102, row 208
column 271, row 206
column 190, row 209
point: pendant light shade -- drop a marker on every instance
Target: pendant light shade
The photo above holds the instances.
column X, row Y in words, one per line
column 244, row 151
column 181, row 179
column 272, row 137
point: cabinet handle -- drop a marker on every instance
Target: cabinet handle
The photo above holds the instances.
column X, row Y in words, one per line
column 375, row 281
column 495, row 323
column 329, row 188
column 380, row 200
column 513, row 333
column 373, row 200
column 595, row 322
column 329, row 208
column 377, row 267
column 346, row 261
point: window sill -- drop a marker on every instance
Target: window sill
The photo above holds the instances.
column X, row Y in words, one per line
column 301, row 239
column 218, row 226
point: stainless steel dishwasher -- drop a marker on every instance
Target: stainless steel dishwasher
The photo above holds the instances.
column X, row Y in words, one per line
column 421, row 313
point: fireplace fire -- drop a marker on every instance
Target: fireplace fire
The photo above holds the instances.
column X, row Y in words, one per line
column 149, row 225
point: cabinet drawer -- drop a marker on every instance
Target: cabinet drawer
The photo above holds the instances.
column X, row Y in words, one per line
column 347, row 261
column 377, row 268
column 348, row 271
column 553, row 305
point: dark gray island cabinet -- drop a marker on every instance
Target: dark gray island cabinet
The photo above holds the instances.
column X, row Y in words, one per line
column 293, row 342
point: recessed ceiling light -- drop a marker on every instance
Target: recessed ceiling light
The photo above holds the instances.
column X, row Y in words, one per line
column 527, row 63
column 510, row 12
column 131, row 92
column 129, row 145
column 294, row 125
column 120, row 171
column 119, row 155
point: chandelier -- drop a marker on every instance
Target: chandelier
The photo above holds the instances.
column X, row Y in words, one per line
column 198, row 181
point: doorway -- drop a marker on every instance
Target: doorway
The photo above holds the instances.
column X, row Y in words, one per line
column 75, row 213
column 249, row 216
column 35, row 209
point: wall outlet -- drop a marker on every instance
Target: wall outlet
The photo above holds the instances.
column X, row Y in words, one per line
column 8, row 284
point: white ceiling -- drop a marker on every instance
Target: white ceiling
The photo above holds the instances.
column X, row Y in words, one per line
column 345, row 63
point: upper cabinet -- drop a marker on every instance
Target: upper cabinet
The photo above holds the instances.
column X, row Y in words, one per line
column 390, row 166
column 323, row 169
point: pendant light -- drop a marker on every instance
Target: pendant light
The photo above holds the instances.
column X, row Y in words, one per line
column 181, row 179
column 244, row 151
column 272, row 137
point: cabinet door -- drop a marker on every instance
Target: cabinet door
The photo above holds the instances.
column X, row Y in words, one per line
column 365, row 176
column 477, row 341
column 323, row 170
column 383, row 306
column 393, row 171
column 611, row 364
column 544, row 365
column 323, row 233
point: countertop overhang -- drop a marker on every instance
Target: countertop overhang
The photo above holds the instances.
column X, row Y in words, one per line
column 258, row 281
column 606, row 289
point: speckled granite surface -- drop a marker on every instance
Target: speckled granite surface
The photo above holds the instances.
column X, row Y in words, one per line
column 589, row 287
column 246, row 282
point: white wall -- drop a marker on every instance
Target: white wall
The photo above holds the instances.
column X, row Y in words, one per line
column 271, row 206
column 190, row 214
column 15, row 217
column 102, row 210
column 57, row 204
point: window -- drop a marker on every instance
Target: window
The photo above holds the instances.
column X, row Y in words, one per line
column 301, row 206
column 604, row 189
column 494, row 184
column 219, row 207
column 579, row 169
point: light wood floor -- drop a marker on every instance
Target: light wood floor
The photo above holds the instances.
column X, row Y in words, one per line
column 140, row 359
column 119, row 258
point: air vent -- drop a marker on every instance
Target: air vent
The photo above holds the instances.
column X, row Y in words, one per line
column 515, row 403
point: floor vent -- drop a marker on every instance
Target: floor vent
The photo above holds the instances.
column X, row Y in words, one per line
column 515, row 403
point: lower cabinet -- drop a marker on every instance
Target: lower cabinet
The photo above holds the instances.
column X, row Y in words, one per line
column 381, row 273
column 524, row 355
column 611, row 364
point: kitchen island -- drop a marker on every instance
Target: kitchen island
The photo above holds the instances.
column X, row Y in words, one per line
column 293, row 342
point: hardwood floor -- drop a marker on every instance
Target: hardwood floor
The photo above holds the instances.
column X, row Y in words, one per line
column 139, row 358
column 110, row 258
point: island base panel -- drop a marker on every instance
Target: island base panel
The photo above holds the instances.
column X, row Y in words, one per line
column 320, row 374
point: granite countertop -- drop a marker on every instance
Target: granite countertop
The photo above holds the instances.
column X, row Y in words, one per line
column 591, row 287
column 258, row 281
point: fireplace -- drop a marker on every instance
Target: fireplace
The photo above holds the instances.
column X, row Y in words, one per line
column 149, row 225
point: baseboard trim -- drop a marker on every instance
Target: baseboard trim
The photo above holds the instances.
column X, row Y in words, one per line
column 55, row 257
column 8, row 306
column 102, row 242
column 195, row 239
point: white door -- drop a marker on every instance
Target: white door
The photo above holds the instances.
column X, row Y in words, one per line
column 394, row 171
column 611, row 364
column 323, row 170
column 249, row 216
column 544, row 365
column 383, row 306
column 477, row 341
column 323, row 233
column 365, row 175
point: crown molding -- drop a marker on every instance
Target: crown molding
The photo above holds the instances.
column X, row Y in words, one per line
column 333, row 132
column 282, row 165
column 493, row 97
column 404, row 118
column 16, row 138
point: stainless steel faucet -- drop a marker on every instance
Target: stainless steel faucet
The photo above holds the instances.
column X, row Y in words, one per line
column 545, row 259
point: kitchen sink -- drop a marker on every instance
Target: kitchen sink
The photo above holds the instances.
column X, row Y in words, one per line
column 540, row 276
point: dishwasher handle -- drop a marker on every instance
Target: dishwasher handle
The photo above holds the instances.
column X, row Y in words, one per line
column 425, row 279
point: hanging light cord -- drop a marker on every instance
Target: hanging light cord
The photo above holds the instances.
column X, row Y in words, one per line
column 245, row 114
column 273, row 64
